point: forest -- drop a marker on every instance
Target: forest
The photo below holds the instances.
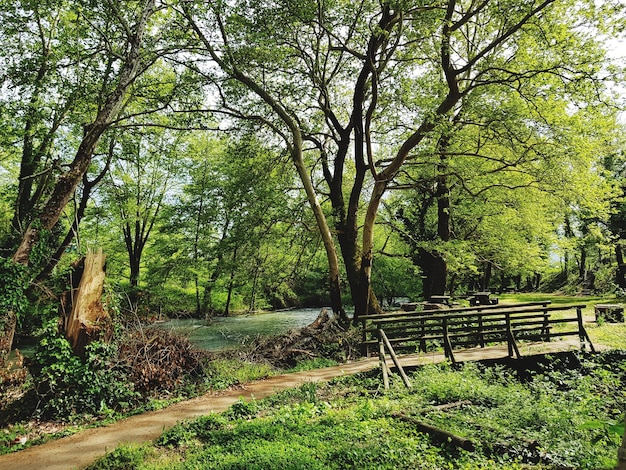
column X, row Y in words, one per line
column 220, row 158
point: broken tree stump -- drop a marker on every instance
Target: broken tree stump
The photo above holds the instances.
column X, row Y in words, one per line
column 84, row 317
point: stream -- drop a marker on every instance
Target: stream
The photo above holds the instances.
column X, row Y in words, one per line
column 226, row 332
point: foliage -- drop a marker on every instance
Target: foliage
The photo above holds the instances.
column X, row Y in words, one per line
column 558, row 411
column 67, row 386
column 13, row 284
column 221, row 373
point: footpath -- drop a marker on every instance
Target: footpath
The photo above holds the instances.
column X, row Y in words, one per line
column 83, row 448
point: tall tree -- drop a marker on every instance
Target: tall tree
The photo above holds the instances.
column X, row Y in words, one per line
column 372, row 84
column 117, row 38
column 510, row 168
column 140, row 177
column 132, row 61
column 227, row 214
column 231, row 52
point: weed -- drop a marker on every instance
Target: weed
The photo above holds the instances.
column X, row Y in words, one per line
column 124, row 457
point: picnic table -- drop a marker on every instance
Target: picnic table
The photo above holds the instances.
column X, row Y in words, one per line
column 482, row 298
column 440, row 299
column 612, row 313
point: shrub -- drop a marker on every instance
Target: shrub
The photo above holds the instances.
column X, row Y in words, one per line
column 68, row 386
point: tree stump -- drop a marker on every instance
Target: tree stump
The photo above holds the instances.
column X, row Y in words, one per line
column 84, row 317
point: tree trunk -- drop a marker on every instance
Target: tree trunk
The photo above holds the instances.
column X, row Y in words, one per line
column 231, row 284
column 582, row 266
column 434, row 269
column 487, row 276
column 620, row 275
column 8, row 321
column 84, row 318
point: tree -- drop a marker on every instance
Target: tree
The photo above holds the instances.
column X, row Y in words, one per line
column 121, row 38
column 132, row 63
column 140, row 177
column 382, row 82
column 231, row 55
column 228, row 215
column 508, row 171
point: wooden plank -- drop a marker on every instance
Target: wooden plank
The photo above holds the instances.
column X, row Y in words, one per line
column 392, row 353
column 383, row 363
column 467, row 316
column 479, row 308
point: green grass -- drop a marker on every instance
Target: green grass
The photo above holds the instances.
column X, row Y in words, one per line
column 223, row 373
column 612, row 335
column 565, row 415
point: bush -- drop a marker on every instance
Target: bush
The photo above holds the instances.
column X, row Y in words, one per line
column 68, row 386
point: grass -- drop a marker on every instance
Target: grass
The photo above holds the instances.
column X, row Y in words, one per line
column 565, row 414
column 612, row 335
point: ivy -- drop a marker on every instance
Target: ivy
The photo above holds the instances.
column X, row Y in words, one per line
column 13, row 284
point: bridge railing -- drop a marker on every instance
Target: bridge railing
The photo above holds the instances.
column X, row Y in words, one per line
column 450, row 329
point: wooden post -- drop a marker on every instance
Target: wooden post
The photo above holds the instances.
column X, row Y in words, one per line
column 582, row 332
column 382, row 361
column 365, row 350
column 545, row 330
column 510, row 338
column 422, row 345
column 392, row 353
column 481, row 334
column 447, row 344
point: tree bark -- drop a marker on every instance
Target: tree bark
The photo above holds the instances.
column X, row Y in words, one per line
column 434, row 268
column 7, row 332
column 487, row 276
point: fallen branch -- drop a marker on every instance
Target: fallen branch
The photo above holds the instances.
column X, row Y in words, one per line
column 447, row 406
column 437, row 434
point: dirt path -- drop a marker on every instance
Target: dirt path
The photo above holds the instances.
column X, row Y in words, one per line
column 83, row 448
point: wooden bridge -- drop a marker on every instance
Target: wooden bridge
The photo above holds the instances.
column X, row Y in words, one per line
column 469, row 327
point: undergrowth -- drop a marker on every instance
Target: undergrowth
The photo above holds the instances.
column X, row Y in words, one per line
column 564, row 413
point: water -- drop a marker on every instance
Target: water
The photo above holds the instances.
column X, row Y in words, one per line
column 226, row 332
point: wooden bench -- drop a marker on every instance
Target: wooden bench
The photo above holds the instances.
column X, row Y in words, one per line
column 482, row 298
column 411, row 332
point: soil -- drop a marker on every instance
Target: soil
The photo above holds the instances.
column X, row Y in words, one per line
column 83, row 448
